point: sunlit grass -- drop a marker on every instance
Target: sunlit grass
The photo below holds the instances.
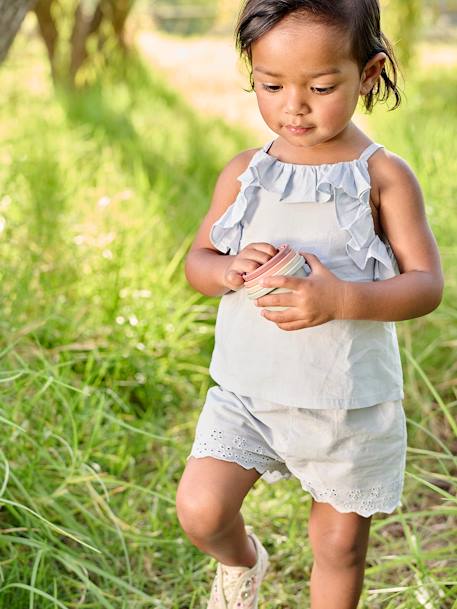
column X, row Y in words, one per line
column 426, row 527
column 104, row 352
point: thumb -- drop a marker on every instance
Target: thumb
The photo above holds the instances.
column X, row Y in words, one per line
column 236, row 278
column 312, row 260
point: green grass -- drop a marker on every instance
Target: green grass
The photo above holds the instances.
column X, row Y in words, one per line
column 104, row 353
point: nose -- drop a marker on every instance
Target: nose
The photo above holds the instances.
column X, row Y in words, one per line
column 296, row 102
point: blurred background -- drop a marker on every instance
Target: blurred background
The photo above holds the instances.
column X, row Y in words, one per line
column 116, row 118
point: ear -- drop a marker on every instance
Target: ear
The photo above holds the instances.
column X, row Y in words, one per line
column 371, row 72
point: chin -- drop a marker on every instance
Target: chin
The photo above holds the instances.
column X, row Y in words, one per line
column 300, row 141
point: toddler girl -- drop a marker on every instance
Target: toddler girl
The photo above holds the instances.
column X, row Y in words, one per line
column 314, row 390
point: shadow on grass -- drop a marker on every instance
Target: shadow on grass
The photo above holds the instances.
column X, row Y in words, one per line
column 179, row 152
column 41, row 255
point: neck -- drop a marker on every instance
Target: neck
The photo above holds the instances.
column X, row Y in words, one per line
column 346, row 146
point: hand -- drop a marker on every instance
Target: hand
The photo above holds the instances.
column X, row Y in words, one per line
column 247, row 260
column 314, row 300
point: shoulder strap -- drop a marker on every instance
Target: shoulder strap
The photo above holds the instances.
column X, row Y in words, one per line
column 369, row 150
column 267, row 146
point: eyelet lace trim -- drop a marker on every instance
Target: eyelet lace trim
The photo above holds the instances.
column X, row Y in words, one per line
column 364, row 502
column 215, row 446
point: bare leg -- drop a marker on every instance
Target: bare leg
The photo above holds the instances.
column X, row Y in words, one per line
column 339, row 543
column 208, row 502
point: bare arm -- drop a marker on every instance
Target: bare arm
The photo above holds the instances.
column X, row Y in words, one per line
column 407, row 296
column 208, row 270
column 205, row 269
column 418, row 289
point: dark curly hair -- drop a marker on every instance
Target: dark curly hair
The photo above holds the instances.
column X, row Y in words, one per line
column 360, row 18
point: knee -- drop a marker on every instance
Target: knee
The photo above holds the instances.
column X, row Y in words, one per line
column 337, row 549
column 200, row 514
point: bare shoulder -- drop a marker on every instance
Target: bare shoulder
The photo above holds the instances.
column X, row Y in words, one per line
column 402, row 213
column 227, row 185
column 225, row 192
column 390, row 173
column 236, row 166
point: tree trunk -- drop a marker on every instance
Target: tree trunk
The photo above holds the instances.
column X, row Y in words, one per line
column 48, row 31
column 83, row 26
column 87, row 20
column 120, row 10
column 12, row 13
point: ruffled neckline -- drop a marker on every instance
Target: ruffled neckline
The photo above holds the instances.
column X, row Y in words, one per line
column 296, row 183
column 347, row 183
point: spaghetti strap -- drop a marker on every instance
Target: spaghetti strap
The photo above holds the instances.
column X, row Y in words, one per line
column 369, row 150
column 364, row 156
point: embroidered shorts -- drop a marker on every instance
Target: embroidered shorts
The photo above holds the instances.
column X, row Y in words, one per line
column 352, row 459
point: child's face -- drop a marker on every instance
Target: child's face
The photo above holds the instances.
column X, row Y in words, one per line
column 306, row 82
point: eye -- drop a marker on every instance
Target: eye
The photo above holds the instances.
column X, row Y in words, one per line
column 322, row 90
column 271, row 88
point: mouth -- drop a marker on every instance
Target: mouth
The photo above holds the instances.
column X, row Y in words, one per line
column 298, row 129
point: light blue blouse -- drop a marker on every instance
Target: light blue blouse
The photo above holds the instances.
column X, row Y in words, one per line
column 322, row 209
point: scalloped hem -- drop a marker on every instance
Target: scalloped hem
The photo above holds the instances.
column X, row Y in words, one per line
column 367, row 508
column 359, row 512
column 268, row 473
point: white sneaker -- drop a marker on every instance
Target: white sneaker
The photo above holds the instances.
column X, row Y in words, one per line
column 243, row 584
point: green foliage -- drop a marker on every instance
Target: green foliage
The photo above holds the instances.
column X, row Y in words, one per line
column 416, row 132
column 104, row 353
column 82, row 37
column 103, row 345
column 401, row 21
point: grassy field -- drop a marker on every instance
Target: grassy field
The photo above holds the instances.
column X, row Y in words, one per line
column 104, row 352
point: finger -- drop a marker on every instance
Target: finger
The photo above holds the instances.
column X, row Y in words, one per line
column 235, row 278
column 275, row 300
column 312, row 260
column 258, row 255
column 262, row 246
column 251, row 264
column 286, row 322
column 278, row 317
column 281, row 281
column 291, row 325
